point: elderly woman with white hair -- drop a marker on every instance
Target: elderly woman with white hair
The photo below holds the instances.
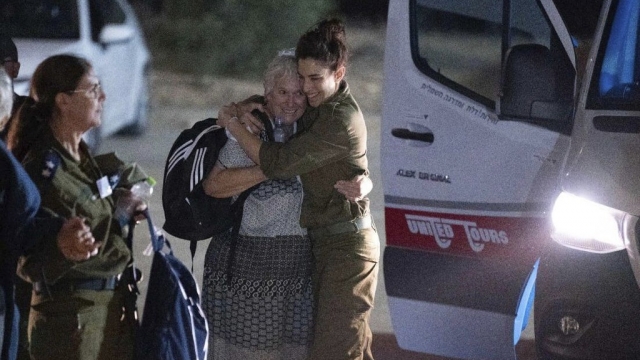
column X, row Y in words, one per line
column 260, row 306
column 21, row 227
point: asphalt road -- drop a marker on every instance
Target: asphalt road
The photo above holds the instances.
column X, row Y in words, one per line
column 150, row 151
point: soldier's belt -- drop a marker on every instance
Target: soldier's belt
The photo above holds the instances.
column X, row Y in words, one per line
column 71, row 285
column 341, row 228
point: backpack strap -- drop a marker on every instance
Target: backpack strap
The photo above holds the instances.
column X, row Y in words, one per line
column 238, row 208
column 193, row 245
column 268, row 128
column 238, row 205
column 131, row 276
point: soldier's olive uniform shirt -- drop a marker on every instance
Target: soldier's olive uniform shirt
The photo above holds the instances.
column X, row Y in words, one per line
column 69, row 188
column 330, row 145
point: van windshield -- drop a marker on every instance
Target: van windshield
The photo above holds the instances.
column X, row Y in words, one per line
column 40, row 19
column 616, row 81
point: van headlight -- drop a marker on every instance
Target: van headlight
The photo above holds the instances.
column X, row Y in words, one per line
column 585, row 225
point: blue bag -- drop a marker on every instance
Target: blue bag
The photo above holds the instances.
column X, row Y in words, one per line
column 173, row 325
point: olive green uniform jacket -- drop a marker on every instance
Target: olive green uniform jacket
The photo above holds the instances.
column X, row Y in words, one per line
column 330, row 146
column 70, row 188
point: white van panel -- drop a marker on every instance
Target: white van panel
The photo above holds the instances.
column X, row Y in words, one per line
column 511, row 157
column 419, row 326
column 465, row 213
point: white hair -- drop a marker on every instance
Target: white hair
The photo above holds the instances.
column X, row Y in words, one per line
column 6, row 97
column 283, row 65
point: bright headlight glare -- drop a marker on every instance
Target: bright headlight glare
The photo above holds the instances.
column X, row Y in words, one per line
column 586, row 225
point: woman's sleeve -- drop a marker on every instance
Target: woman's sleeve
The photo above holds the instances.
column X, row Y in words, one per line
column 128, row 173
column 43, row 258
column 326, row 142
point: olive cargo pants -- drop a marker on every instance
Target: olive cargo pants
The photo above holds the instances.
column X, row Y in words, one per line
column 83, row 325
column 345, row 276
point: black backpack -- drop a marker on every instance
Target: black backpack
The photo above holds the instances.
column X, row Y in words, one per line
column 189, row 212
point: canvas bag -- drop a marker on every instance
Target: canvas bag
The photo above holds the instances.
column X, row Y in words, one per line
column 173, row 325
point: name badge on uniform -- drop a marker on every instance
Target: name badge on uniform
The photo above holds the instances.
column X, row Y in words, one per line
column 104, row 188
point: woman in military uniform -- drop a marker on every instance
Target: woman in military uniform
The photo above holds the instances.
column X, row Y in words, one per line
column 21, row 226
column 76, row 306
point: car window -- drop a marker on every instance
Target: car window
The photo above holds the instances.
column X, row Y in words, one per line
column 43, row 19
column 461, row 42
column 616, row 84
column 103, row 12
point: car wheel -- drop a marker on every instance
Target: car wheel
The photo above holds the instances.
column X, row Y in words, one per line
column 140, row 122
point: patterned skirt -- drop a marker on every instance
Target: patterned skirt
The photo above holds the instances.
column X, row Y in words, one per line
column 261, row 306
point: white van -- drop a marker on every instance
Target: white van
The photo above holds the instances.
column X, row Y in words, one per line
column 508, row 124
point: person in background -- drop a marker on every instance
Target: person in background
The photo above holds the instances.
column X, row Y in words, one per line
column 77, row 307
column 329, row 146
column 261, row 307
column 11, row 65
column 21, row 227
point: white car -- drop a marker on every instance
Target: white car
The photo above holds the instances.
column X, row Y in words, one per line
column 105, row 32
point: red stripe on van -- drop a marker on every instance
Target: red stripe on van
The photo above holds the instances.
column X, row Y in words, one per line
column 467, row 235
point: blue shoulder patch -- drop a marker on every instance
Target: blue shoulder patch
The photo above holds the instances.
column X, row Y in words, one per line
column 114, row 180
column 50, row 165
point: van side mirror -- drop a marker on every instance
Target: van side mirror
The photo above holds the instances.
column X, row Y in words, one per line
column 535, row 88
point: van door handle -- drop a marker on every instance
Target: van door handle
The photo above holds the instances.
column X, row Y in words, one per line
column 415, row 134
column 412, row 135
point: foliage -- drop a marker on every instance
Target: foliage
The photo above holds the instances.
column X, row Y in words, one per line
column 228, row 37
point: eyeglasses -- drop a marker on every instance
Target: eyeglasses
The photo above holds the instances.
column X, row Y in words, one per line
column 94, row 91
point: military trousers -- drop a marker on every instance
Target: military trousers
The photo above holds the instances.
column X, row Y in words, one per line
column 80, row 325
column 345, row 276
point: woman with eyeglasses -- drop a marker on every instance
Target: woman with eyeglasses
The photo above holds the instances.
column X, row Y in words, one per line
column 76, row 306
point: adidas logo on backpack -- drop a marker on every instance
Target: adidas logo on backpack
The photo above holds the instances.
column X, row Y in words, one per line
column 190, row 213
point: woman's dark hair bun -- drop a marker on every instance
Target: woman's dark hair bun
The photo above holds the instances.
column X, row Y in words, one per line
column 325, row 42
column 332, row 29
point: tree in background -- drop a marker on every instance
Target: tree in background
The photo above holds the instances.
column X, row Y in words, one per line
column 369, row 10
column 226, row 37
